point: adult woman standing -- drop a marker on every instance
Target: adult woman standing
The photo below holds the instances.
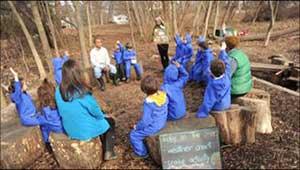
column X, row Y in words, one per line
column 161, row 38
column 81, row 115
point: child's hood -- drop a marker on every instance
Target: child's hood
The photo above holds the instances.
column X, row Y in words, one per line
column 188, row 38
column 159, row 98
column 171, row 74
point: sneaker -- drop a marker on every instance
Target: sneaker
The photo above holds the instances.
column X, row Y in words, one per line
column 127, row 80
column 133, row 155
column 110, row 156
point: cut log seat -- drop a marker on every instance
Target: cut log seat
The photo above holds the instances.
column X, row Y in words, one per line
column 189, row 123
column 76, row 154
column 20, row 146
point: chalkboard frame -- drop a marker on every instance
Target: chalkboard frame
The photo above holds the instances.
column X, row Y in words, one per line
column 215, row 128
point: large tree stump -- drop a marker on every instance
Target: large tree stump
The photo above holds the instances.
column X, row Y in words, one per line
column 236, row 125
column 76, row 154
column 185, row 124
column 20, row 146
column 258, row 101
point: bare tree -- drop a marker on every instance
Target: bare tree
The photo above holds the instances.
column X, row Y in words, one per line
column 272, row 20
column 35, row 54
column 139, row 24
column 52, row 30
column 84, row 54
column 199, row 5
column 174, row 17
column 257, row 11
column 207, row 18
column 227, row 11
column 89, row 23
column 42, row 34
column 3, row 100
column 130, row 24
column 216, row 17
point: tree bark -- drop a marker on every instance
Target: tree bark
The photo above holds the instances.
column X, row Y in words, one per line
column 139, row 24
column 216, row 17
column 3, row 99
column 42, row 34
column 52, row 30
column 130, row 24
column 84, row 54
column 272, row 21
column 227, row 11
column 262, row 36
column 207, row 18
column 257, row 11
column 196, row 16
column 89, row 23
column 35, row 54
column 174, row 18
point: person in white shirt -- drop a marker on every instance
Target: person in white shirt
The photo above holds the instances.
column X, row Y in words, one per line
column 101, row 63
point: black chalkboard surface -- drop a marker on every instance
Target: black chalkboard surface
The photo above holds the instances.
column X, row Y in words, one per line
column 199, row 149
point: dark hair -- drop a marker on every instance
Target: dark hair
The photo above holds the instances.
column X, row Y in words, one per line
column 149, row 85
column 128, row 45
column 73, row 81
column 204, row 45
column 11, row 87
column 97, row 37
column 217, row 67
column 46, row 95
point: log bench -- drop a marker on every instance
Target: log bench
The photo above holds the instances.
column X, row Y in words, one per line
column 190, row 122
column 258, row 101
column 75, row 154
column 20, row 146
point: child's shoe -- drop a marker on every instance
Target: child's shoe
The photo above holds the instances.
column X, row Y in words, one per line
column 110, row 155
column 133, row 155
column 139, row 77
column 127, row 80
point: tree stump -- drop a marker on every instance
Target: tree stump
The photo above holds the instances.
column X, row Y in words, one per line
column 20, row 146
column 236, row 125
column 259, row 101
column 186, row 124
column 76, row 154
column 133, row 74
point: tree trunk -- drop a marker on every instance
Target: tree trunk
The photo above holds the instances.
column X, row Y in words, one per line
column 52, row 30
column 110, row 11
column 257, row 11
column 42, row 34
column 227, row 11
column 216, row 17
column 100, row 12
column 84, row 54
column 130, row 24
column 272, row 21
column 196, row 16
column 174, row 18
column 3, row 100
column 35, row 54
column 262, row 36
column 89, row 24
column 207, row 18
column 139, row 24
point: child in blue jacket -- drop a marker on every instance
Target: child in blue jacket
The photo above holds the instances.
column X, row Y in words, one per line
column 130, row 59
column 184, row 50
column 47, row 107
column 217, row 92
column 155, row 111
column 175, row 78
column 118, row 56
column 58, row 62
column 200, row 69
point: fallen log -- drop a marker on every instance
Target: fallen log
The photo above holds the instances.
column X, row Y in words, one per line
column 20, row 146
column 262, row 36
column 75, row 154
column 189, row 123
column 267, row 67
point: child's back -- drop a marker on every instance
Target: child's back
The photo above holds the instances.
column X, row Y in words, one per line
column 173, row 86
column 58, row 62
column 118, row 53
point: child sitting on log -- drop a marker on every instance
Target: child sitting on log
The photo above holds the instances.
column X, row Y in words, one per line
column 184, row 50
column 118, row 56
column 200, row 69
column 47, row 107
column 175, row 78
column 155, row 111
column 217, row 92
column 58, row 62
column 130, row 59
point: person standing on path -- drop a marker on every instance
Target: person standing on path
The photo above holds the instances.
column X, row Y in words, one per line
column 161, row 39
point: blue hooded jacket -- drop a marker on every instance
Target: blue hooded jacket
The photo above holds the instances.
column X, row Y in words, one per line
column 202, row 64
column 58, row 64
column 179, row 49
column 174, row 81
column 25, row 106
column 118, row 55
column 217, row 92
column 129, row 55
column 188, row 51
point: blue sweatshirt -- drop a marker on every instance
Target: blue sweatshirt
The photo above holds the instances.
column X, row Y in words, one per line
column 82, row 117
column 118, row 55
column 129, row 55
column 179, row 49
column 25, row 106
column 58, row 64
column 217, row 92
column 174, row 81
column 188, row 51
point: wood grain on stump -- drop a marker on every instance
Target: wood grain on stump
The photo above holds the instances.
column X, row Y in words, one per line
column 76, row 154
column 189, row 123
column 20, row 146
column 258, row 101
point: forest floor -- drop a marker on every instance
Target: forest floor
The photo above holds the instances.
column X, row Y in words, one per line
column 277, row 150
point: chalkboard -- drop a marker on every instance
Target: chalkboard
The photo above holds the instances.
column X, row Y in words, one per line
column 199, row 149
